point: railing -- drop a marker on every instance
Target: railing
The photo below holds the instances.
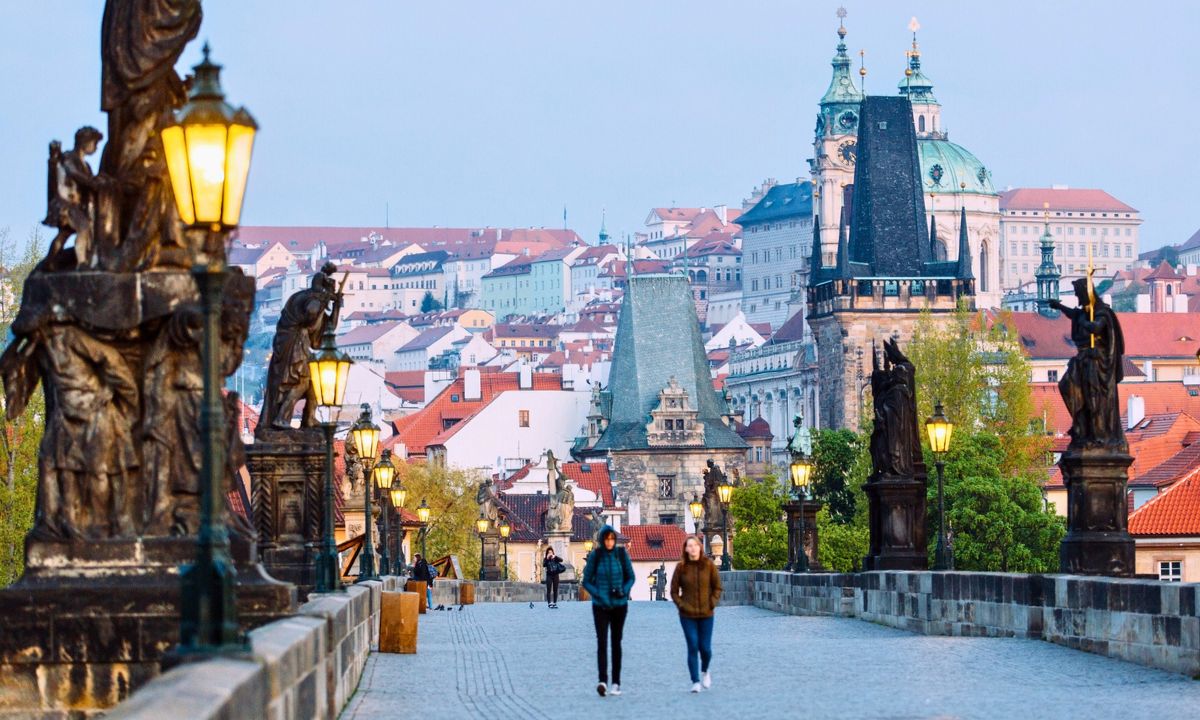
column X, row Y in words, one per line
column 877, row 293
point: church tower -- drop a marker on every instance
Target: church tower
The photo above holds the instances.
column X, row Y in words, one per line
column 834, row 146
column 927, row 111
column 1047, row 274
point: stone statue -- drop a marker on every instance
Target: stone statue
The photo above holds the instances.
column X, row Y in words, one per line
column 485, row 497
column 354, row 473
column 1089, row 387
column 713, row 512
column 895, row 440
column 595, row 523
column 72, row 193
column 561, row 510
column 305, row 317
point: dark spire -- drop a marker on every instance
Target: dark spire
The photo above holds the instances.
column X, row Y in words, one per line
column 933, row 241
column 843, row 254
column 964, row 249
column 815, row 263
column 1047, row 274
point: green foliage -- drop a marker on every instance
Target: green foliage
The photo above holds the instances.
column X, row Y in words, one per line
column 834, row 455
column 429, row 303
column 841, row 546
column 759, row 532
column 842, row 541
column 450, row 495
column 20, row 438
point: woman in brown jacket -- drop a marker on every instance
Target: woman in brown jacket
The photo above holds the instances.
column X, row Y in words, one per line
column 696, row 590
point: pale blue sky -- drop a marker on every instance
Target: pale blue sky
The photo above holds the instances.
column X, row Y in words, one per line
column 479, row 112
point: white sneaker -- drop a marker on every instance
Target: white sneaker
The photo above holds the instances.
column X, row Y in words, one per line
column 615, row 689
column 601, row 688
column 706, row 679
column 695, row 687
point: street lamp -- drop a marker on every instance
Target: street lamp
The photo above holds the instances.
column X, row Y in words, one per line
column 423, row 516
column 207, row 147
column 697, row 509
column 365, row 436
column 328, row 369
column 385, row 473
column 399, row 494
column 481, row 526
column 940, row 429
column 725, row 495
column 505, row 530
column 652, row 580
column 801, row 474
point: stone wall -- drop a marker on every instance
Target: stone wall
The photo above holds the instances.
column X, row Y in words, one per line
column 1142, row 621
column 446, row 592
column 305, row 666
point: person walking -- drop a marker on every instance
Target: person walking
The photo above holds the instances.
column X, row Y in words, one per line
column 696, row 590
column 423, row 573
column 608, row 577
column 552, row 565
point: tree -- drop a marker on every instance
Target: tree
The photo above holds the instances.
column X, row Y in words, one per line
column 842, row 538
column 998, row 519
column 20, row 438
column 429, row 303
column 759, row 531
column 450, row 494
column 834, row 453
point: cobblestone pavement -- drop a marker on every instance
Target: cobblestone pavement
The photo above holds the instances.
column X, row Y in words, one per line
column 501, row 661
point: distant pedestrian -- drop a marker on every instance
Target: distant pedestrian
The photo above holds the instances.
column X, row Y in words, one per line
column 423, row 573
column 552, row 565
column 608, row 577
column 696, row 590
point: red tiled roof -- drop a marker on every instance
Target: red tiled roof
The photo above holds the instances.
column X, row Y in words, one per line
column 1175, row 511
column 456, row 239
column 1182, row 464
column 408, row 385
column 592, row 477
column 451, row 407
column 654, row 542
column 1164, row 271
column 367, row 333
column 1160, row 398
column 1147, row 335
column 758, row 428
column 1061, row 199
column 526, row 514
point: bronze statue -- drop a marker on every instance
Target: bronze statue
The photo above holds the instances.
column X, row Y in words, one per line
column 306, row 316
column 1089, row 387
column 714, row 477
column 895, row 440
column 72, row 193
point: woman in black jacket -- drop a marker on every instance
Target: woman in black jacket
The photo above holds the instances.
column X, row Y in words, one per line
column 553, row 567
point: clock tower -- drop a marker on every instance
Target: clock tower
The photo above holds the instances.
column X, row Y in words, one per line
column 835, row 145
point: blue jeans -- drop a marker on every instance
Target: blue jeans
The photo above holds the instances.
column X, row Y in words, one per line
column 698, row 633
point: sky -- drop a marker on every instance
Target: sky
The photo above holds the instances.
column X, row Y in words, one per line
column 479, row 113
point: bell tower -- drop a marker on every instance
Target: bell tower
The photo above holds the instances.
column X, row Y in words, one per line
column 835, row 146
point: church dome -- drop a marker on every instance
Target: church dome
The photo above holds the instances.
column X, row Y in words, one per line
column 950, row 168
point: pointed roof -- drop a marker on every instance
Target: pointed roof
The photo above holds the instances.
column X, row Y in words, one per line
column 841, row 85
column 933, row 238
column 658, row 337
column 914, row 84
column 816, row 266
column 964, row 249
column 1164, row 271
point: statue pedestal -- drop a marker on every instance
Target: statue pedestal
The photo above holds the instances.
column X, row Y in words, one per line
column 491, row 556
column 897, row 522
column 287, row 475
column 809, row 543
column 90, row 621
column 1098, row 540
column 561, row 542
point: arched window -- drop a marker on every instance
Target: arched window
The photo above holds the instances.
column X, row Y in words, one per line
column 921, row 124
column 984, row 262
column 1168, row 289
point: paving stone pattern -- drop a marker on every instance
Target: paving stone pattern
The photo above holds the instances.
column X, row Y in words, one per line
column 505, row 660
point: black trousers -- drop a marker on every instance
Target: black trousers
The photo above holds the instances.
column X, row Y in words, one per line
column 552, row 588
column 606, row 619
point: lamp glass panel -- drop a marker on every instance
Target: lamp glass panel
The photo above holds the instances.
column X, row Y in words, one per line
column 206, row 163
column 423, row 514
column 385, row 472
column 237, row 169
column 399, row 494
column 801, row 471
column 939, row 435
column 697, row 508
column 505, row 530
column 175, row 152
column 725, row 492
column 481, row 525
column 366, row 441
column 343, row 375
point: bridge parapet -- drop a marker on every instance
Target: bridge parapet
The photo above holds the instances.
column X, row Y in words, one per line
column 1141, row 621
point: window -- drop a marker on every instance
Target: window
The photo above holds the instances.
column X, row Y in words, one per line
column 666, row 487
column 1051, row 376
column 1170, row 570
column 753, row 287
column 666, row 519
column 523, row 418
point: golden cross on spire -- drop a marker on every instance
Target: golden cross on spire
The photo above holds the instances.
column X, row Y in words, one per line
column 1091, row 288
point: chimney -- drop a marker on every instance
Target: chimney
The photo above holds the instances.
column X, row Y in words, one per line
column 720, row 210
column 1136, row 412
column 525, row 379
column 471, row 385
column 497, row 234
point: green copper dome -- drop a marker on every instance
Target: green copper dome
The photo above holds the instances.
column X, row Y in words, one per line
column 947, row 167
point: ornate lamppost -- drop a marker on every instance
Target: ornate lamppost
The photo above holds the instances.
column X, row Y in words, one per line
column 696, row 508
column 207, row 148
column 399, row 494
column 725, row 495
column 652, row 581
column 385, row 474
column 800, row 472
column 423, row 516
column 481, row 526
column 505, row 530
column 940, row 429
column 328, row 371
column 365, row 436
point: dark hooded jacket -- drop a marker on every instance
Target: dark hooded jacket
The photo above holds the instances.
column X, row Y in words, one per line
column 608, row 570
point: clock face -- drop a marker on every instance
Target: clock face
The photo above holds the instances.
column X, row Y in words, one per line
column 846, row 151
column 848, row 120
